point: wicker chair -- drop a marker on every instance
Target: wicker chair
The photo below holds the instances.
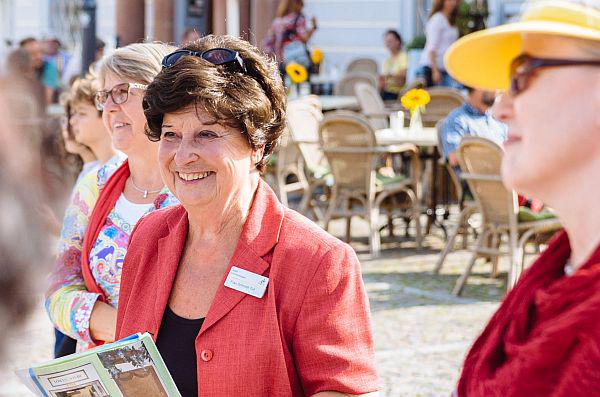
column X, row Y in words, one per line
column 349, row 143
column 345, row 86
column 467, row 208
column 480, row 161
column 443, row 101
column 303, row 118
column 363, row 65
column 372, row 105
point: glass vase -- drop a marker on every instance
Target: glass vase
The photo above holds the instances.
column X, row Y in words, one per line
column 416, row 123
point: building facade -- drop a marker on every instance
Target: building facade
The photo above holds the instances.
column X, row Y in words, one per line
column 347, row 28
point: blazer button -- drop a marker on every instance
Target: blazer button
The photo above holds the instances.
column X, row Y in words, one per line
column 206, row 355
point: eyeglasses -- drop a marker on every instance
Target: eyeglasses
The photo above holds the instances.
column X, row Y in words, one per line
column 523, row 66
column 119, row 94
column 216, row 56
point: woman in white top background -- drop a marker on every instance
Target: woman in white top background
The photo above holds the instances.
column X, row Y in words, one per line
column 440, row 33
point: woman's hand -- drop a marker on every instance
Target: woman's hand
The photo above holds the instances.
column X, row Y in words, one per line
column 103, row 322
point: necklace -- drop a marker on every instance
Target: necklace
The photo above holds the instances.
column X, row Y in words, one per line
column 145, row 192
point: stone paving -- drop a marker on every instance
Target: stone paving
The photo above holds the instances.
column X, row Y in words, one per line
column 422, row 332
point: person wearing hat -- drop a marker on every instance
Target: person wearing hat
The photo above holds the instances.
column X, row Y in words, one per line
column 544, row 340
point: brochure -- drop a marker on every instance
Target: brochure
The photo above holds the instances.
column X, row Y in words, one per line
column 130, row 367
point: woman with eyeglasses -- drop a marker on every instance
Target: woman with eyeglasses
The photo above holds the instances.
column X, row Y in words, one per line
column 544, row 340
column 82, row 298
column 243, row 296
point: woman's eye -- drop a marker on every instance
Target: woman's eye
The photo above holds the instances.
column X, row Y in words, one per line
column 169, row 135
column 207, row 134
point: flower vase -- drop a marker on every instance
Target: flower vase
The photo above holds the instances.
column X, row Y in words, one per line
column 416, row 123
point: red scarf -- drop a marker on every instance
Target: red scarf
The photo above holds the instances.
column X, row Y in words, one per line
column 106, row 202
column 544, row 340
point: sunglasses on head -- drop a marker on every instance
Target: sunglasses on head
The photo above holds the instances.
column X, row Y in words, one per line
column 523, row 66
column 216, row 56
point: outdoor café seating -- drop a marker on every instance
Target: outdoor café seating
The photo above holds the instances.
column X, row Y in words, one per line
column 480, row 161
column 362, row 65
column 305, row 158
column 351, row 148
column 371, row 105
column 345, row 87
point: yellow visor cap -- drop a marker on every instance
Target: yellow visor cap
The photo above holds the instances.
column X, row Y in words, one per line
column 482, row 59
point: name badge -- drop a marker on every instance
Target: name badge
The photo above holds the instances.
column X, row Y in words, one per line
column 246, row 282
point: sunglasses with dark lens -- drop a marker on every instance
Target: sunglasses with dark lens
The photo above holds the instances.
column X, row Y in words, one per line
column 216, row 56
column 119, row 94
column 523, row 66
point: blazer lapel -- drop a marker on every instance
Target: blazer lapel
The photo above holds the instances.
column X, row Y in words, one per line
column 259, row 235
column 170, row 249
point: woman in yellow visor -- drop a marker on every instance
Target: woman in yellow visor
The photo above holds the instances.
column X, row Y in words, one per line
column 544, row 340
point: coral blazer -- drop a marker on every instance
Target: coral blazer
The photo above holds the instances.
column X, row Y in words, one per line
column 309, row 333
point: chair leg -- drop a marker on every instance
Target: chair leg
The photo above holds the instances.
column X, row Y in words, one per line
column 519, row 258
column 331, row 209
column 374, row 237
column 462, row 219
column 418, row 229
column 390, row 225
column 495, row 258
column 347, row 208
column 462, row 280
column 304, row 203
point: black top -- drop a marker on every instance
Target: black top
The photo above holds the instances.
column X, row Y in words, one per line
column 176, row 344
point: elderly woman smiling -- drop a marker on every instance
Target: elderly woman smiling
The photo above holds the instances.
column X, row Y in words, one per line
column 243, row 296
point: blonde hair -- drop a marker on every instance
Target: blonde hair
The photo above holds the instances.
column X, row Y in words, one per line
column 138, row 62
column 83, row 90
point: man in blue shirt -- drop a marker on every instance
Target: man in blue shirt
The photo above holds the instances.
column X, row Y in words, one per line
column 474, row 118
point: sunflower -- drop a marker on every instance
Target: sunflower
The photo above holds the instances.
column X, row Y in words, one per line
column 415, row 98
column 297, row 72
column 316, row 56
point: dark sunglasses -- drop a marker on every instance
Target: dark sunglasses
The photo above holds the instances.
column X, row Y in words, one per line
column 216, row 56
column 119, row 94
column 523, row 66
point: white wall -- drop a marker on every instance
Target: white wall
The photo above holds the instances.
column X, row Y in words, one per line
column 349, row 29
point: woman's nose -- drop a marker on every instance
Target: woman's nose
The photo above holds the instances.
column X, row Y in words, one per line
column 186, row 152
column 503, row 107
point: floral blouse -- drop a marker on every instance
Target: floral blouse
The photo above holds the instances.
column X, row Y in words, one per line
column 68, row 302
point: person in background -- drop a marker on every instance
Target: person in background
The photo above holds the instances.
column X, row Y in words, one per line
column 288, row 26
column 84, row 136
column 474, row 118
column 24, row 245
column 55, row 55
column 73, row 67
column 393, row 78
column 46, row 72
column 189, row 35
column 106, row 205
column 21, row 70
column 544, row 340
column 86, row 121
column 218, row 110
column 440, row 33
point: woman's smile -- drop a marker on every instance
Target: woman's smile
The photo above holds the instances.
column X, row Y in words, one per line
column 194, row 176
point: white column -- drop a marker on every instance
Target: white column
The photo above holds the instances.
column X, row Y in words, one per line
column 233, row 17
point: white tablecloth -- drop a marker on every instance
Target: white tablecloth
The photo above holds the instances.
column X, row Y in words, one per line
column 426, row 137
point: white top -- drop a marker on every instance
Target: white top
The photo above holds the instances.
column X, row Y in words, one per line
column 131, row 212
column 440, row 36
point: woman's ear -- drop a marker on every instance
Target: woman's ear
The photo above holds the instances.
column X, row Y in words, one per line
column 257, row 155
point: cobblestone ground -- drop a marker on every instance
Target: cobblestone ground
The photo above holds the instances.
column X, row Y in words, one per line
column 422, row 332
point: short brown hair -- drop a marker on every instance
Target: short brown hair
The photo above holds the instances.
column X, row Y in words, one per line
column 253, row 102
column 83, row 90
